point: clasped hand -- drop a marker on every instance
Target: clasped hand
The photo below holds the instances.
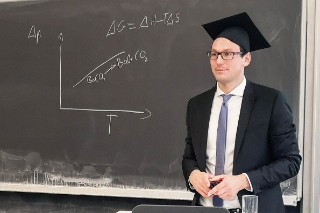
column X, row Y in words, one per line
column 227, row 189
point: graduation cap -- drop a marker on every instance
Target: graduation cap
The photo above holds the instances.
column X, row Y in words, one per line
column 239, row 29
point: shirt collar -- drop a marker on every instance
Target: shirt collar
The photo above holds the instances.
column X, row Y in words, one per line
column 238, row 91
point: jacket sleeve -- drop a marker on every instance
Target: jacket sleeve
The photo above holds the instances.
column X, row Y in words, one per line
column 189, row 161
column 284, row 149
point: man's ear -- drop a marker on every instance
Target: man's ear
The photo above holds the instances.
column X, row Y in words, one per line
column 247, row 59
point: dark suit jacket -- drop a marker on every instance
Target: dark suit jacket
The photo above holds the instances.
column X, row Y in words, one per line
column 266, row 147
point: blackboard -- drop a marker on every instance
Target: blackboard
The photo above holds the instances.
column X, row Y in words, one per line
column 94, row 93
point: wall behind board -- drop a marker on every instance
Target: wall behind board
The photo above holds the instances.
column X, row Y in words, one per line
column 94, row 93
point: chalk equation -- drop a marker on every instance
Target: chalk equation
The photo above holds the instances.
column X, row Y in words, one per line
column 167, row 19
column 120, row 60
column 34, row 34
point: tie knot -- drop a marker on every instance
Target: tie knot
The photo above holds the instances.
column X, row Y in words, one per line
column 226, row 98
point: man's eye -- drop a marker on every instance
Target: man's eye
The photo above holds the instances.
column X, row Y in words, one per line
column 227, row 53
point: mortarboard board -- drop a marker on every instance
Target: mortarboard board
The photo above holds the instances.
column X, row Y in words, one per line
column 239, row 29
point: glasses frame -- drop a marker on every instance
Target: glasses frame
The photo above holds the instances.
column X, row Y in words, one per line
column 222, row 55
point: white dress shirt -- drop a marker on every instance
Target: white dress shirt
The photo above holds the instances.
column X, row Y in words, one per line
column 234, row 106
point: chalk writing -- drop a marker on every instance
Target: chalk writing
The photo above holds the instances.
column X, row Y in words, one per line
column 34, row 34
column 167, row 19
column 119, row 60
column 109, row 128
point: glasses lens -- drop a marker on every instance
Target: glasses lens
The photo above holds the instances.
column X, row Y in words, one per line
column 212, row 55
column 227, row 55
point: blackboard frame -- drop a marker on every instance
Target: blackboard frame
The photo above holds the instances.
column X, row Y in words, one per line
column 138, row 192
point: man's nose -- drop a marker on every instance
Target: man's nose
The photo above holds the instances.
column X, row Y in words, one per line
column 219, row 60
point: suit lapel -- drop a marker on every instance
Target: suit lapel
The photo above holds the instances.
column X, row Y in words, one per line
column 246, row 107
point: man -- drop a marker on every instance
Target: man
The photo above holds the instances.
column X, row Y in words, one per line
column 240, row 135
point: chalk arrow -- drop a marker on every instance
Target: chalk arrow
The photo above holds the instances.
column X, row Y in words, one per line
column 60, row 38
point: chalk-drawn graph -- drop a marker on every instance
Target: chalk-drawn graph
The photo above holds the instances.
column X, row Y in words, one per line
column 94, row 77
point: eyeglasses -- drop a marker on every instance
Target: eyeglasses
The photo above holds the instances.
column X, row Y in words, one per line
column 224, row 55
